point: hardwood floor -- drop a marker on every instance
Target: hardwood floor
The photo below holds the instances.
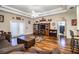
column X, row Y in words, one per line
column 64, row 45
column 50, row 43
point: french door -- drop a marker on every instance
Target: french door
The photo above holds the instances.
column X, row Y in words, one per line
column 17, row 28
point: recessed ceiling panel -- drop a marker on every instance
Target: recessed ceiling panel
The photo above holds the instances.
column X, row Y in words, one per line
column 36, row 8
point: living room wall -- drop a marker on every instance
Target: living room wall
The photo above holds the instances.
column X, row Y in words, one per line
column 67, row 16
column 6, row 24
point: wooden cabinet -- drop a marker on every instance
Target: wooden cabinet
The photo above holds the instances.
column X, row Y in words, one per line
column 47, row 28
column 42, row 28
column 35, row 29
column 53, row 33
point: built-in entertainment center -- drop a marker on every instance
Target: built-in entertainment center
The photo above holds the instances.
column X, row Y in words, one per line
column 44, row 29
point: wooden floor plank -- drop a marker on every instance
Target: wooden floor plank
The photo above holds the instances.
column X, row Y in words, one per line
column 50, row 43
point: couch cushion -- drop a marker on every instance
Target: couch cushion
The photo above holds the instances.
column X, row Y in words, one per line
column 4, row 43
column 11, row 48
column 16, row 52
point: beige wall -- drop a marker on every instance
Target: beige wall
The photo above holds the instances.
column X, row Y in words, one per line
column 68, row 16
column 78, row 17
column 6, row 24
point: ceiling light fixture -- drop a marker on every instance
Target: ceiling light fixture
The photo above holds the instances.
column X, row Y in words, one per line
column 34, row 14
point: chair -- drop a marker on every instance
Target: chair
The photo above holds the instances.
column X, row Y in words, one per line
column 74, row 41
column 8, row 35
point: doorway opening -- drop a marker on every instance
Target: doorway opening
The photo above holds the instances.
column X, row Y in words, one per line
column 62, row 33
column 61, row 28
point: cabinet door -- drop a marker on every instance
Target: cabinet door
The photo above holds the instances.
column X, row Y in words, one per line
column 35, row 28
column 47, row 27
column 46, row 31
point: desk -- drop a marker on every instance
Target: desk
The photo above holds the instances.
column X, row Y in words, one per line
column 53, row 33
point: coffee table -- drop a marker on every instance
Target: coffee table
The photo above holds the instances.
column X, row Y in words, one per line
column 27, row 41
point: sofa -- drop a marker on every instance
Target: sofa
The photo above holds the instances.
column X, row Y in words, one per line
column 6, row 47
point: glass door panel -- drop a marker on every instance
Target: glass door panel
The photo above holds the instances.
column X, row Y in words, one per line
column 14, row 29
column 21, row 28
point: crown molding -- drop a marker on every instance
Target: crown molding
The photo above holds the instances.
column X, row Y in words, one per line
column 19, row 12
column 52, row 12
column 14, row 11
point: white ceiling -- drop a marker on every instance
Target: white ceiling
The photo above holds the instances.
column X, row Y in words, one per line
column 36, row 8
column 35, row 11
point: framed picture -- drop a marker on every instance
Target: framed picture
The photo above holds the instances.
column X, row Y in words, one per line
column 42, row 20
column 50, row 20
column 74, row 22
column 18, row 18
column 29, row 22
column 1, row 18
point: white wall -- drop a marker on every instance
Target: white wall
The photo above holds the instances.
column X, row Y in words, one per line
column 78, row 17
column 6, row 24
column 71, row 15
column 68, row 16
column 29, row 27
